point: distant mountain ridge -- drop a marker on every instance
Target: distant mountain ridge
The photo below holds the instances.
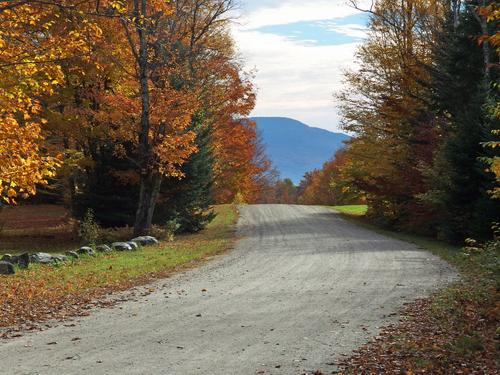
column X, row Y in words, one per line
column 296, row 148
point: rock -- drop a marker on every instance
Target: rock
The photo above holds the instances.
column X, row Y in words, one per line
column 7, row 268
column 121, row 246
column 58, row 258
column 44, row 258
column 133, row 245
column 145, row 240
column 104, row 249
column 72, row 254
column 86, row 250
column 23, row 260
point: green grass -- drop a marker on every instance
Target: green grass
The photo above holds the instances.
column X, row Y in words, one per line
column 165, row 256
column 353, row 209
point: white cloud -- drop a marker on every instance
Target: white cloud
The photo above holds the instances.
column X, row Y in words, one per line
column 295, row 11
column 295, row 79
column 352, row 30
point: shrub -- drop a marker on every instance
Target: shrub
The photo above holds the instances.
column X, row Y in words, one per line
column 166, row 232
column 171, row 227
column 109, row 235
column 89, row 229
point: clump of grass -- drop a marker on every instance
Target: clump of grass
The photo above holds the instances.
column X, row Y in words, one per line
column 353, row 209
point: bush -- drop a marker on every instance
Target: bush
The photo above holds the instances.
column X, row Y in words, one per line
column 109, row 235
column 171, row 228
column 89, row 229
column 166, row 232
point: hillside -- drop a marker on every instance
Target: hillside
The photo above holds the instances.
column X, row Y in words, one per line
column 296, row 148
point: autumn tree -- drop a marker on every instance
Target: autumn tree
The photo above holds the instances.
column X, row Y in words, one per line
column 417, row 107
column 36, row 38
column 490, row 14
column 385, row 106
column 327, row 186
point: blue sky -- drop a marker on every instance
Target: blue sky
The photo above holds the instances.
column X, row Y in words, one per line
column 298, row 50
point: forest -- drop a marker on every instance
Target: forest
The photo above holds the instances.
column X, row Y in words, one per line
column 423, row 108
column 135, row 110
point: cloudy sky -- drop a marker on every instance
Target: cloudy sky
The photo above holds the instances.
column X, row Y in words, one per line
column 299, row 49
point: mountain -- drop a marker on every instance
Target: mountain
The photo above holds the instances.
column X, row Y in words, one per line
column 296, row 148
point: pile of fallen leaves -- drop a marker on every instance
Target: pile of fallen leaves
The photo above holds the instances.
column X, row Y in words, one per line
column 41, row 294
column 32, row 299
column 455, row 332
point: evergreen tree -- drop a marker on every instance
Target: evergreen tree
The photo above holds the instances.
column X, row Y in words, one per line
column 108, row 188
column 188, row 200
column 458, row 180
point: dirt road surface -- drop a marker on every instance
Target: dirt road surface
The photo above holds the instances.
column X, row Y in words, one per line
column 302, row 288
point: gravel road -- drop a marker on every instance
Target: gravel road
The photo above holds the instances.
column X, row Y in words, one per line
column 302, row 288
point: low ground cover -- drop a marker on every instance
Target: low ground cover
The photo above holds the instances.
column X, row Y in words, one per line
column 353, row 209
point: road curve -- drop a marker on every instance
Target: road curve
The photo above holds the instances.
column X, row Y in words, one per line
column 301, row 288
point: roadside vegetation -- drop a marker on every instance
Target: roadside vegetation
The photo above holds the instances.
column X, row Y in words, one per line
column 456, row 330
column 41, row 293
column 353, row 209
column 423, row 111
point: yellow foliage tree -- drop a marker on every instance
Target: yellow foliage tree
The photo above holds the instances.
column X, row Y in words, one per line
column 34, row 40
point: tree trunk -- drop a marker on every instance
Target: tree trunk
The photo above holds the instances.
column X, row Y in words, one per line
column 483, row 22
column 150, row 180
column 148, row 195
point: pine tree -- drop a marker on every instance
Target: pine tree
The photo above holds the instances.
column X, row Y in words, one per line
column 107, row 189
column 188, row 200
column 458, row 180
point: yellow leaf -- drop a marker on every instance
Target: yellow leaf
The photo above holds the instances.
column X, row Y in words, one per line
column 11, row 193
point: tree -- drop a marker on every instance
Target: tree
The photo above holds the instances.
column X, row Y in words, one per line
column 168, row 41
column 490, row 14
column 189, row 200
column 34, row 41
column 458, row 180
column 385, row 106
column 327, row 186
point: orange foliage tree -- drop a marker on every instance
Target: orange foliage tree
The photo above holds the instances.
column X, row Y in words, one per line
column 328, row 185
column 240, row 164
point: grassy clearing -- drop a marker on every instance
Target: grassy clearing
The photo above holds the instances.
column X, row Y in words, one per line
column 454, row 331
column 353, row 209
column 33, row 228
column 44, row 292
